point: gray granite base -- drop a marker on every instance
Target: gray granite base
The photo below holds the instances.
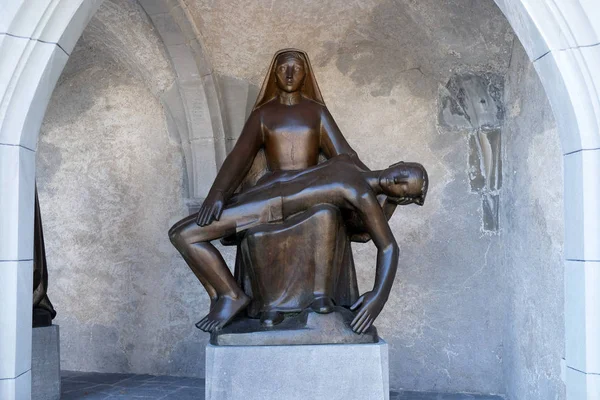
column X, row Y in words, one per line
column 45, row 363
column 298, row 372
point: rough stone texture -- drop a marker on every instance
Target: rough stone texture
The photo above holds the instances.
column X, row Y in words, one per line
column 371, row 42
column 326, row 371
column 45, row 363
column 532, row 220
column 110, row 181
column 121, row 30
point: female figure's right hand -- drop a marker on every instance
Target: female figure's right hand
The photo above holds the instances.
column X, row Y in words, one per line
column 212, row 208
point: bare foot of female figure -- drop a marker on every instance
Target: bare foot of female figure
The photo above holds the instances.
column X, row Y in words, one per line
column 223, row 311
column 271, row 318
column 322, row 305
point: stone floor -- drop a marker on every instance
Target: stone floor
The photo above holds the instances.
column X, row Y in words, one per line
column 91, row 385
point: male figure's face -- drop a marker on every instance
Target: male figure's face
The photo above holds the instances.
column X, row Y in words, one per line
column 289, row 72
column 405, row 182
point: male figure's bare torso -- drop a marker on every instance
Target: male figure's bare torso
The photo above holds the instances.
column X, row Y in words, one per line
column 325, row 183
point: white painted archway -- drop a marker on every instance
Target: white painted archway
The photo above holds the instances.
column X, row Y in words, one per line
column 562, row 38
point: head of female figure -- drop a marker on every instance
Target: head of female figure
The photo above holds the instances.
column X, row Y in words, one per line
column 290, row 71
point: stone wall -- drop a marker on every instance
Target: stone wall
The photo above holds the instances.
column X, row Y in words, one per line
column 533, row 221
column 112, row 181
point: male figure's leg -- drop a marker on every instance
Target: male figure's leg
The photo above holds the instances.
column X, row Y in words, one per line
column 193, row 242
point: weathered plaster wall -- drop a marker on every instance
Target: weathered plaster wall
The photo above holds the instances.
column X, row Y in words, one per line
column 122, row 32
column 532, row 220
column 111, row 184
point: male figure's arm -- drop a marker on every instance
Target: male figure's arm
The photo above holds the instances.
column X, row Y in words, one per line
column 234, row 169
column 355, row 225
column 370, row 304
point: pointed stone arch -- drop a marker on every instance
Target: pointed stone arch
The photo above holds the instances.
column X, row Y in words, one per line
column 562, row 39
column 36, row 43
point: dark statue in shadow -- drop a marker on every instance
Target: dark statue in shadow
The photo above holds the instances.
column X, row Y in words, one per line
column 43, row 311
column 292, row 195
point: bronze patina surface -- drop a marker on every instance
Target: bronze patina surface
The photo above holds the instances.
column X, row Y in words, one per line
column 293, row 226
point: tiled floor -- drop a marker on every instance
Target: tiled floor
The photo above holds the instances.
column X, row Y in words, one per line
column 89, row 385
column 86, row 385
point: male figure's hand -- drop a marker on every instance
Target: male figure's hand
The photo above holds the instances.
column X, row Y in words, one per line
column 370, row 305
column 212, row 208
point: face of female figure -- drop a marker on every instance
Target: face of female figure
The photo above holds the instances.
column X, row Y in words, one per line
column 289, row 72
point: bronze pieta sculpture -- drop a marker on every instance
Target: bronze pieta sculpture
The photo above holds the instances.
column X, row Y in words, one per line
column 294, row 224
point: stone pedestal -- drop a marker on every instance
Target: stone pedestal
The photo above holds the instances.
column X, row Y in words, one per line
column 298, row 372
column 45, row 363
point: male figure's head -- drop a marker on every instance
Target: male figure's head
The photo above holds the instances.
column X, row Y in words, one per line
column 404, row 183
column 290, row 71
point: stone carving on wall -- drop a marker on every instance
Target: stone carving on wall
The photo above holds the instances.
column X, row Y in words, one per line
column 292, row 195
column 43, row 311
column 472, row 103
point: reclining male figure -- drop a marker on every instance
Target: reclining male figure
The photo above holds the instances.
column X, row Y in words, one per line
column 338, row 181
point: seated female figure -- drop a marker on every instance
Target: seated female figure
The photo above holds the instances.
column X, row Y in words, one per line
column 291, row 124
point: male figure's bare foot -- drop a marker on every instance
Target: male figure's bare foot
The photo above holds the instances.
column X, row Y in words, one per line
column 222, row 311
column 322, row 305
